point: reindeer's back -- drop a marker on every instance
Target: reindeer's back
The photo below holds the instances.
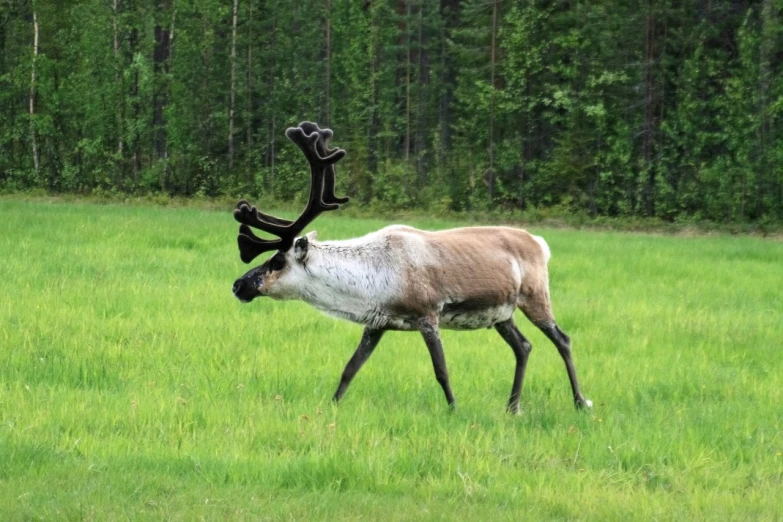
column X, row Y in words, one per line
column 475, row 274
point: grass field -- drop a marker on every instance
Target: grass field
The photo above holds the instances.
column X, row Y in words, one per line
column 133, row 385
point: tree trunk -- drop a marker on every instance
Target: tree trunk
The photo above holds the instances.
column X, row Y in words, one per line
column 649, row 111
column 136, row 108
column 491, row 172
column 271, row 85
column 767, row 52
column 449, row 11
column 34, row 139
column 526, row 143
column 374, row 119
column 328, row 101
column 249, row 102
column 233, row 86
column 161, row 64
column 118, row 79
column 421, row 109
column 407, row 83
column 205, row 107
column 169, row 80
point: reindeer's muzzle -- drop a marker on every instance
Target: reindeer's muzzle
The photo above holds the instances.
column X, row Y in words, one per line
column 246, row 289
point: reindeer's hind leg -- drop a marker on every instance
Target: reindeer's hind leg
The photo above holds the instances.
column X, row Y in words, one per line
column 536, row 306
column 522, row 347
column 370, row 339
column 563, row 344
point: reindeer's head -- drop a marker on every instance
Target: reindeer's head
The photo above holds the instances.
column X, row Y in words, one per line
column 277, row 276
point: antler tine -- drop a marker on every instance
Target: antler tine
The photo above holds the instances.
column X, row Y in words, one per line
column 312, row 141
column 250, row 215
column 308, row 143
column 251, row 246
column 309, row 127
column 323, row 149
column 319, row 166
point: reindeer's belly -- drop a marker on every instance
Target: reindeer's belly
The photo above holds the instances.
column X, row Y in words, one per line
column 371, row 316
column 462, row 316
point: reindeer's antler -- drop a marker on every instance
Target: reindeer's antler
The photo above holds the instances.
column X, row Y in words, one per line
column 312, row 140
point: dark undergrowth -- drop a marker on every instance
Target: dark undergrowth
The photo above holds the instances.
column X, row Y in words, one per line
column 551, row 217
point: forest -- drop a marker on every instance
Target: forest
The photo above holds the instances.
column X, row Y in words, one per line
column 660, row 108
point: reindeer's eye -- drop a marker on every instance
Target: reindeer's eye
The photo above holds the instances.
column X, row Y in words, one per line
column 277, row 262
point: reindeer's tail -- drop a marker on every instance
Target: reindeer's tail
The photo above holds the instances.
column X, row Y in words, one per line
column 544, row 247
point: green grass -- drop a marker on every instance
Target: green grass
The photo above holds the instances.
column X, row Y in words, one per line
column 133, row 385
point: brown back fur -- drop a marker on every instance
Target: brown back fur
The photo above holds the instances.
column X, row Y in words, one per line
column 476, row 265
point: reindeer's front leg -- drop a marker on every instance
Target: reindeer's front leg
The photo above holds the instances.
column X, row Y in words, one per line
column 369, row 341
column 428, row 327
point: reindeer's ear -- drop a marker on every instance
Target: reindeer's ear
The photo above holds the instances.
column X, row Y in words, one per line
column 300, row 248
column 312, row 236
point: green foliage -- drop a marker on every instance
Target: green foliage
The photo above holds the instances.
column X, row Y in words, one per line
column 670, row 110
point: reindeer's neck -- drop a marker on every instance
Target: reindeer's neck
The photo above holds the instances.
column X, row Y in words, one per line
column 357, row 268
column 352, row 279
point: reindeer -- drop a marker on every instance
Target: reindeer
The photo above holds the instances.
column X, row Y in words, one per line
column 401, row 278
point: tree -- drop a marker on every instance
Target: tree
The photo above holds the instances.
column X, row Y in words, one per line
column 33, row 136
column 670, row 109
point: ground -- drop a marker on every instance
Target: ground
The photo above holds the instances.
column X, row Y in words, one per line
column 134, row 385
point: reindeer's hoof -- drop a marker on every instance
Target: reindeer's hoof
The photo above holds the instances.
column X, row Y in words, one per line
column 513, row 409
column 584, row 404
